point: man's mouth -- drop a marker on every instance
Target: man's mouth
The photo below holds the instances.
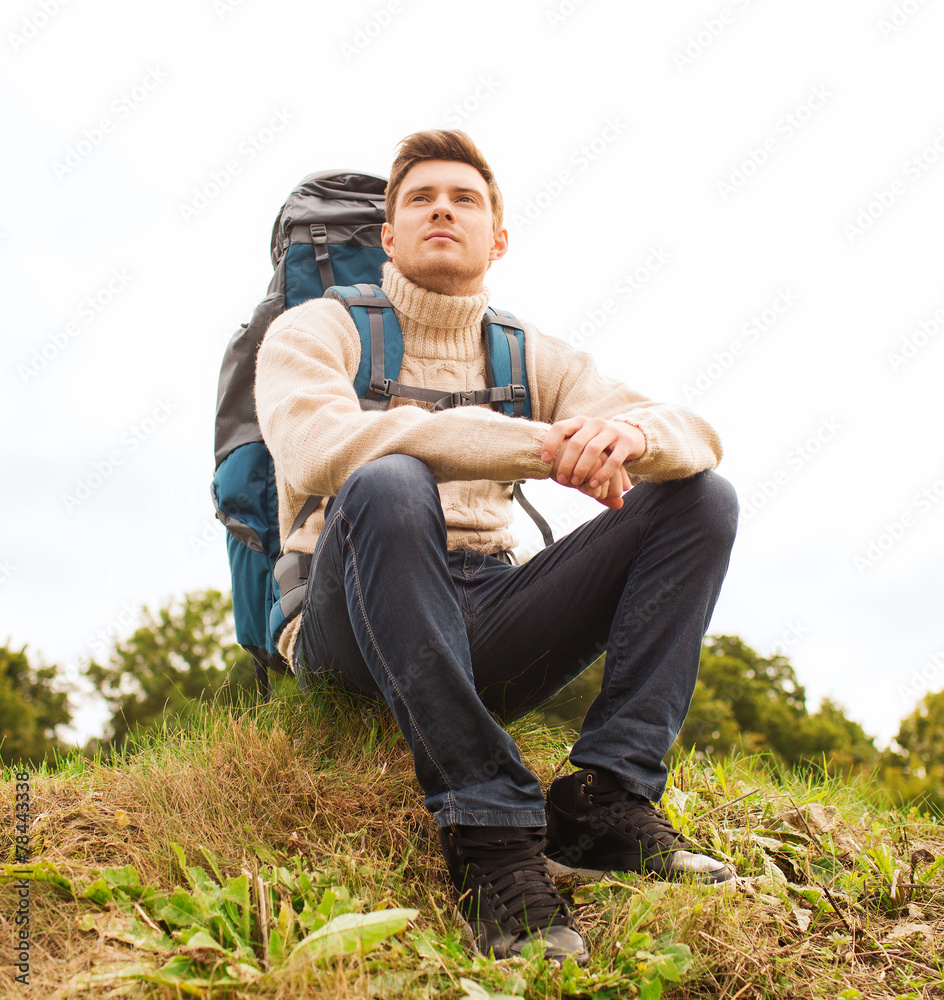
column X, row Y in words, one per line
column 441, row 234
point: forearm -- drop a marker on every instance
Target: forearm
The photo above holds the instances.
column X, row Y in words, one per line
column 679, row 443
column 318, row 435
column 316, row 449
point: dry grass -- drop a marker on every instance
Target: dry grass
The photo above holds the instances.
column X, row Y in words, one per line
column 330, row 779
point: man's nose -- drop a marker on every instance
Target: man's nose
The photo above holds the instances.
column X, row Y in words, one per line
column 441, row 209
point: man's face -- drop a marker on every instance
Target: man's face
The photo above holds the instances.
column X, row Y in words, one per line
column 442, row 237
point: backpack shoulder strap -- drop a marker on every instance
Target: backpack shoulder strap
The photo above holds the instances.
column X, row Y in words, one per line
column 381, row 348
column 381, row 341
column 504, row 343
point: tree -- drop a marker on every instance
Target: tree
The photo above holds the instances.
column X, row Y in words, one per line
column 921, row 736
column 914, row 768
column 34, row 702
column 842, row 741
column 744, row 701
column 184, row 655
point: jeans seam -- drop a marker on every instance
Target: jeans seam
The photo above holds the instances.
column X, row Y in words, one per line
column 383, row 662
column 316, row 558
column 633, row 573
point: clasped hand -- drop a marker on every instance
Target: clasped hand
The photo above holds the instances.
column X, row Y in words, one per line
column 587, row 453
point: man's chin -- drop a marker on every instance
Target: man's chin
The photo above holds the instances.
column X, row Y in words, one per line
column 444, row 279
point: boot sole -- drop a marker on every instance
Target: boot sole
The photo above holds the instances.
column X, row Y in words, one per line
column 468, row 938
column 558, row 870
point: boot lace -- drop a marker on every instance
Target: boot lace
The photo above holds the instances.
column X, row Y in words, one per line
column 515, row 875
column 636, row 817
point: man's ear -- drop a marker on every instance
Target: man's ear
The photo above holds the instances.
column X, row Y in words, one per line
column 386, row 239
column 500, row 247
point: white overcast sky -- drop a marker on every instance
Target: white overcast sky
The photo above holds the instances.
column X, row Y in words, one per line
column 673, row 174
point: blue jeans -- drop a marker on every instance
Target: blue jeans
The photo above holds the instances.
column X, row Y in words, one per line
column 446, row 639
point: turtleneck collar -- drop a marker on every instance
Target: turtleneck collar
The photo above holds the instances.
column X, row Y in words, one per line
column 435, row 325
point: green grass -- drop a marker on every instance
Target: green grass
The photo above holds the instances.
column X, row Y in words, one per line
column 285, row 852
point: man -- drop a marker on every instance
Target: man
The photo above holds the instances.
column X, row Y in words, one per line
column 412, row 598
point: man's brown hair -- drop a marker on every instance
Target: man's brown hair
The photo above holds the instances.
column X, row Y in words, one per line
column 437, row 144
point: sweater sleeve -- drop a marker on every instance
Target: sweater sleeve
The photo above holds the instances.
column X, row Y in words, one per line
column 318, row 435
column 678, row 442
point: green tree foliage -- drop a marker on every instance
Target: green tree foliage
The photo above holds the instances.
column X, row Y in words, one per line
column 743, row 702
column 183, row 655
column 33, row 703
column 915, row 770
column 842, row 742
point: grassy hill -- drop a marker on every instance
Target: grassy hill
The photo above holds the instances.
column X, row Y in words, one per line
column 284, row 852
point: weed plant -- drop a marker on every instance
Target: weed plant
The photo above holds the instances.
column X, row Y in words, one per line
column 283, row 851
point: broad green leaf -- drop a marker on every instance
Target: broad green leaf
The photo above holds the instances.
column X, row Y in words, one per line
column 240, row 972
column 473, row 989
column 237, row 891
column 325, row 909
column 182, row 911
column 667, row 970
column 478, row 992
column 144, row 937
column 42, row 871
column 650, row 990
column 123, row 878
column 98, row 892
column 196, row 937
column 182, row 861
column 353, row 932
column 211, row 861
column 281, row 935
column 680, row 954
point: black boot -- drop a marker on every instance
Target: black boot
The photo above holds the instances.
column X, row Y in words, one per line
column 594, row 826
column 506, row 895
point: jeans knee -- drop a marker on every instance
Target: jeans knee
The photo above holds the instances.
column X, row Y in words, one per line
column 718, row 504
column 393, row 487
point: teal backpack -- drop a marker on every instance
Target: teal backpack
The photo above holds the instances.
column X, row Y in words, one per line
column 325, row 243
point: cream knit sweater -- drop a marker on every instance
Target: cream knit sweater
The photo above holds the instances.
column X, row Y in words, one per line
column 318, row 435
